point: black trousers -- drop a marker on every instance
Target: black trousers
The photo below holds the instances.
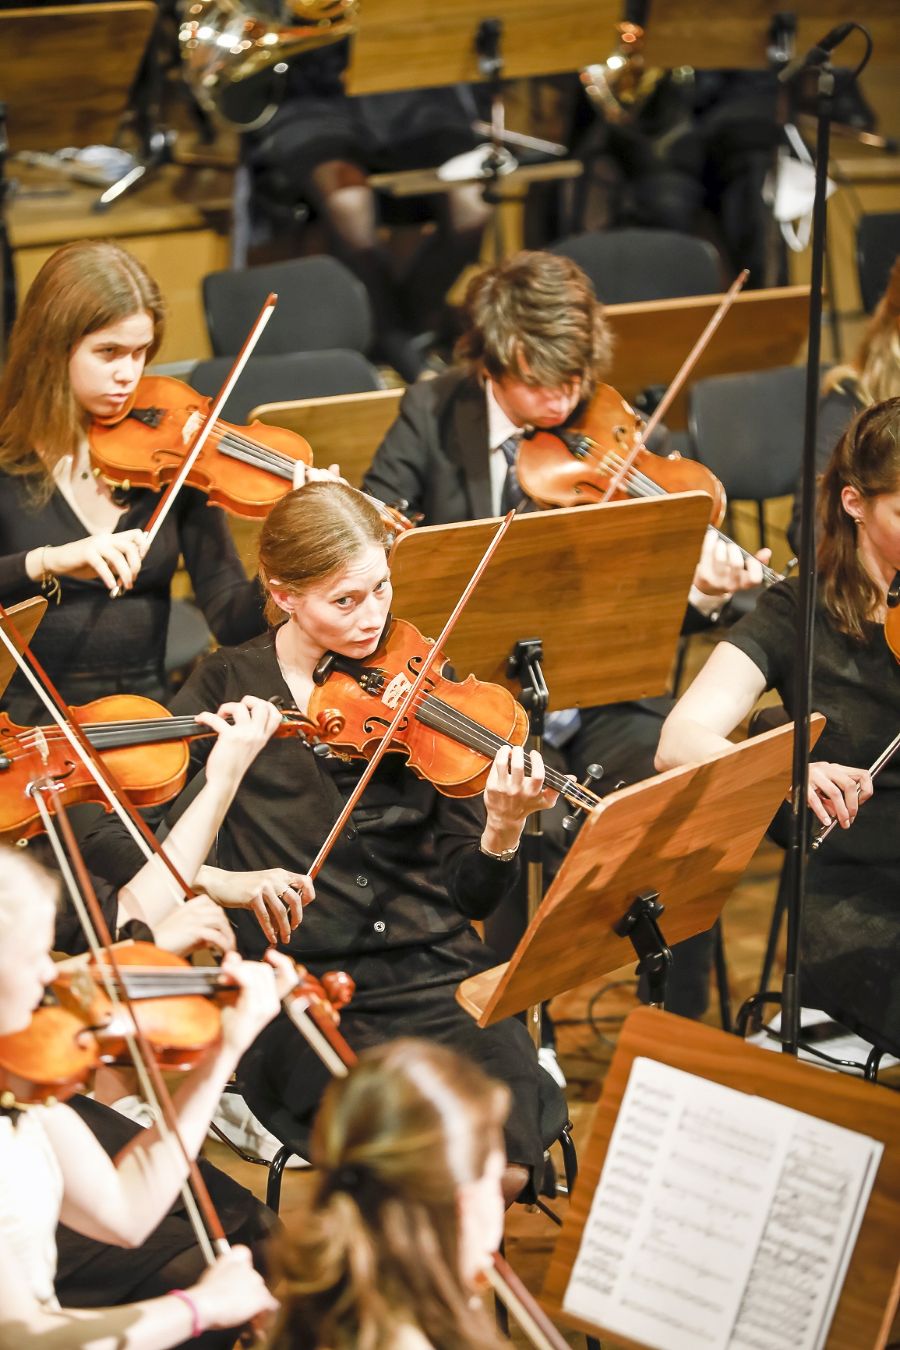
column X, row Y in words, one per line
column 95, row 1275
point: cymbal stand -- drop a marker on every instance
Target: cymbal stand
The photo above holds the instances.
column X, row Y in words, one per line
column 488, row 45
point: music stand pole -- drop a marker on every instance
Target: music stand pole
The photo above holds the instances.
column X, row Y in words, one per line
column 525, row 666
column 799, row 841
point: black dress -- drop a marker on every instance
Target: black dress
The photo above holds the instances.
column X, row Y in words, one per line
column 393, row 907
column 850, row 940
column 91, row 645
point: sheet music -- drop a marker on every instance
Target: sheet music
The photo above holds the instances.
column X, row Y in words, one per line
column 721, row 1220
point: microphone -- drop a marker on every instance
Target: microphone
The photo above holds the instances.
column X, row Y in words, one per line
column 816, row 55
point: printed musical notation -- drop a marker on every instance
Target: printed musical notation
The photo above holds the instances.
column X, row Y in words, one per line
column 721, row 1221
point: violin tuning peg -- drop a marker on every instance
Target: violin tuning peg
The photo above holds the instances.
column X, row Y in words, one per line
column 593, row 774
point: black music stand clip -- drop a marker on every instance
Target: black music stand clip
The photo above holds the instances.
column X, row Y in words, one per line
column 639, row 925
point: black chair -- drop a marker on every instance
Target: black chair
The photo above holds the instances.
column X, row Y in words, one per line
column 188, row 639
column 877, row 245
column 629, row 265
column 292, row 375
column 321, row 305
column 749, row 430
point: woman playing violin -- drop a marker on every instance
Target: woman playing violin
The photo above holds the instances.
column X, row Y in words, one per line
column 90, row 322
column 851, row 933
column 52, row 1168
column 408, row 1212
column 396, row 896
column 91, row 1272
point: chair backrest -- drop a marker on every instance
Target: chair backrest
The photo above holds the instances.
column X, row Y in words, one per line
column 749, row 430
column 877, row 245
column 273, row 379
column 631, row 265
column 345, row 430
column 321, row 305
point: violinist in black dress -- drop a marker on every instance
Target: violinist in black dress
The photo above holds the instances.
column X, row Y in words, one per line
column 396, row 897
column 850, row 940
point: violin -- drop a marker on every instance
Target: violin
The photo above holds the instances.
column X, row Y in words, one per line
column 454, row 732
column 601, row 457
column 123, row 728
column 49, row 1060
column 176, row 1003
column 243, row 469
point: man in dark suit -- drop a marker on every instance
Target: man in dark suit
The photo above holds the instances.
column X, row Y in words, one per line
column 535, row 347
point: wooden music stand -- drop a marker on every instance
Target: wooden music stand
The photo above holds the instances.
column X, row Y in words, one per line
column 26, row 616
column 403, row 44
column 344, row 429
column 46, row 55
column 685, row 836
column 762, row 329
column 679, row 32
column 584, row 580
column 871, row 1290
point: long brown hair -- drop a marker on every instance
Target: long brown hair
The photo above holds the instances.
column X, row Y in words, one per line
column 394, row 1141
column 874, row 373
column 535, row 317
column 312, row 532
column 81, row 288
column 866, row 458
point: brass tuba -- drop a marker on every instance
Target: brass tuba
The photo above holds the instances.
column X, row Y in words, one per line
column 233, row 56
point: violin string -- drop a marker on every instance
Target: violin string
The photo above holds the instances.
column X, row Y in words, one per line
column 110, row 735
column 258, row 456
column 442, row 716
column 641, row 485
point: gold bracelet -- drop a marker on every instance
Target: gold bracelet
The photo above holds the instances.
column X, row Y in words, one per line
column 49, row 580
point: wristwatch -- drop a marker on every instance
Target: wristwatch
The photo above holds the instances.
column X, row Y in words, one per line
column 507, row 854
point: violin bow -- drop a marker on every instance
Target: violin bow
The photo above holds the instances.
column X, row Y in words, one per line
column 321, row 1033
column 407, row 700
column 874, row 770
column 61, row 715
column 198, row 1203
column 532, row 1319
column 205, row 430
column 677, row 383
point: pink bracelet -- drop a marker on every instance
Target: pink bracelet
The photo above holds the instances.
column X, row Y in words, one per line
column 196, row 1326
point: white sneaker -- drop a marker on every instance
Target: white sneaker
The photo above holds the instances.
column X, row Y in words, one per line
column 548, row 1061
column 241, row 1127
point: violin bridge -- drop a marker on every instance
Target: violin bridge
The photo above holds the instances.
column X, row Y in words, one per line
column 395, row 691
